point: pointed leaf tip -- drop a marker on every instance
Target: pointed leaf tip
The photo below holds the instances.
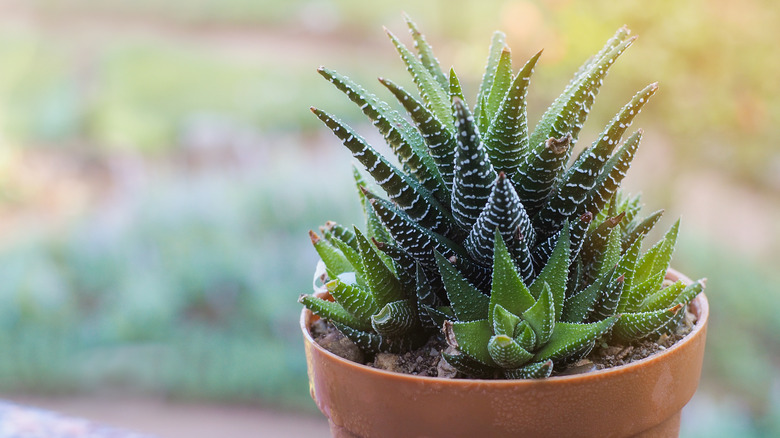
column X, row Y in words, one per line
column 314, row 237
column 559, row 145
column 587, row 217
column 449, row 334
column 615, row 220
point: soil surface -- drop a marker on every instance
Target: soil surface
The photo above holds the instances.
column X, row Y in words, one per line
column 427, row 360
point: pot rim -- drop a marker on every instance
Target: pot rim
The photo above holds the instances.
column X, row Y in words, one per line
column 700, row 306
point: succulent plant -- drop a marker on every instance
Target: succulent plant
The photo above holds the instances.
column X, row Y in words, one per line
column 486, row 231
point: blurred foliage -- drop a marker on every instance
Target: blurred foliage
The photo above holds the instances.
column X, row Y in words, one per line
column 185, row 288
column 715, row 60
column 741, row 372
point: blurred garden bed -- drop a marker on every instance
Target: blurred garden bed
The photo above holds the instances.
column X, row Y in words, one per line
column 181, row 281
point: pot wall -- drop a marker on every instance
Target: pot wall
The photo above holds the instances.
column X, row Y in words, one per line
column 643, row 398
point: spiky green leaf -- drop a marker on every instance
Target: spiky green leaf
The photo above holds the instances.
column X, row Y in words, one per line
column 467, row 302
column 455, row 88
column 353, row 257
column 473, row 338
column 406, row 142
column 541, row 316
column 572, row 189
column 609, row 299
column 332, row 311
column 506, row 139
column 417, row 240
column 567, row 113
column 524, row 335
column 524, row 260
column 336, row 263
column 355, row 300
column 663, row 298
column 434, row 95
column 569, row 338
column 507, row 353
column 413, row 199
column 536, row 177
column 333, row 230
column 626, row 267
column 395, row 319
column 639, row 230
column 596, row 241
column 536, row 370
column 381, row 281
column 501, row 81
column 504, row 321
column 497, row 44
column 580, row 305
column 439, row 140
column 425, row 52
column 635, row 326
column 374, row 227
column 641, row 291
column 508, row 289
column 611, row 255
column 503, row 214
column 555, row 273
column 468, row 366
column 664, row 256
column 371, row 343
column 614, row 171
column 474, row 175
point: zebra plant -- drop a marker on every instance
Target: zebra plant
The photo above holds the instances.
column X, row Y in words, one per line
column 486, row 230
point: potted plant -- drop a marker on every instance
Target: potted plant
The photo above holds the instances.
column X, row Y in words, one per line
column 517, row 274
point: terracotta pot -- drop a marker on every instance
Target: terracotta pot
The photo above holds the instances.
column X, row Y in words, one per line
column 642, row 399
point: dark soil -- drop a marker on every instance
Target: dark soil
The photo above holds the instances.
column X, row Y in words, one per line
column 423, row 361
column 427, row 360
column 605, row 356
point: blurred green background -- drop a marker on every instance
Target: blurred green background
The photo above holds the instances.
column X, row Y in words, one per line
column 159, row 170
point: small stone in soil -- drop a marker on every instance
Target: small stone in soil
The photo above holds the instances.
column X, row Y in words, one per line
column 444, row 369
column 332, row 340
column 386, row 361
